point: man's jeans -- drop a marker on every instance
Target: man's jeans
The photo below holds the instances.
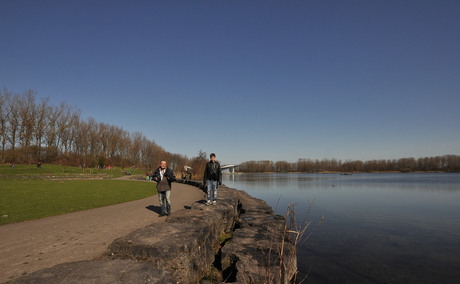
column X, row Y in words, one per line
column 212, row 190
column 165, row 201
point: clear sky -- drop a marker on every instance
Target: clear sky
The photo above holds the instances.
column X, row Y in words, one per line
column 249, row 80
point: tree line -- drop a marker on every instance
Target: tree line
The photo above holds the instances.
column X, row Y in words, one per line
column 447, row 163
column 34, row 130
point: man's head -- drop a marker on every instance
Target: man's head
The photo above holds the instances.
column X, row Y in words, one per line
column 163, row 165
column 213, row 157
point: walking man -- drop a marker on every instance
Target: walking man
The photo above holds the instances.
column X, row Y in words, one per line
column 164, row 176
column 212, row 177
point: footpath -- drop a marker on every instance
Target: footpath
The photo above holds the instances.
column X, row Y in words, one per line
column 33, row 245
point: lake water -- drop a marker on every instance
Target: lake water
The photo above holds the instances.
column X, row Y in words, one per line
column 378, row 228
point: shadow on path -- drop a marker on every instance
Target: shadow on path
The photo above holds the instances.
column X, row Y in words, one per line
column 154, row 208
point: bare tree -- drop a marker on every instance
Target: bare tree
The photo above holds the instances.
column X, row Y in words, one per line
column 72, row 132
column 63, row 125
column 82, row 140
column 125, row 145
column 4, row 117
column 26, row 110
column 51, row 131
column 134, row 151
column 40, row 125
column 198, row 164
column 103, row 133
column 93, row 137
column 13, row 125
column 282, row 166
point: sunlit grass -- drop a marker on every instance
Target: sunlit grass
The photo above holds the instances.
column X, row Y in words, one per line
column 22, row 200
column 58, row 170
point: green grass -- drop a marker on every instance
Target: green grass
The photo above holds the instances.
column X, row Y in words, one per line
column 23, row 200
column 25, row 169
column 57, row 170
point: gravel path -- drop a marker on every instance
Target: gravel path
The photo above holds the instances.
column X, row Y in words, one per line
column 29, row 246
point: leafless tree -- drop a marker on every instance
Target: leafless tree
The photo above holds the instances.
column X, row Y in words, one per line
column 40, row 125
column 134, row 154
column 64, row 125
column 4, row 118
column 26, row 110
column 13, row 125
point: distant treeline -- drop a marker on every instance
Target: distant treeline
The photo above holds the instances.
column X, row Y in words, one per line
column 447, row 163
column 33, row 131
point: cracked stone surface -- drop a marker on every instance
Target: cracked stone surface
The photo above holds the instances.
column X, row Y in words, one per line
column 100, row 272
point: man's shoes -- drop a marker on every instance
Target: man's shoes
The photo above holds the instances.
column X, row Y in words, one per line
column 214, row 202
column 169, row 213
column 209, row 202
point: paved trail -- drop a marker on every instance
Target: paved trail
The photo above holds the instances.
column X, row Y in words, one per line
column 29, row 246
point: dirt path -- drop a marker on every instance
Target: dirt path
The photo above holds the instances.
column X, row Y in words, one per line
column 29, row 246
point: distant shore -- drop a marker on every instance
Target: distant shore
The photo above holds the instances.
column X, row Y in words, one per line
column 333, row 172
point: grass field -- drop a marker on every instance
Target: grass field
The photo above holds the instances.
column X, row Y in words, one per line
column 22, row 200
column 27, row 194
column 57, row 170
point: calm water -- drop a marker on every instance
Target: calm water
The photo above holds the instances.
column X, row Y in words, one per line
column 378, row 228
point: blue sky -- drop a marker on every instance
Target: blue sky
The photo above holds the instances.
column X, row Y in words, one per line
column 249, row 80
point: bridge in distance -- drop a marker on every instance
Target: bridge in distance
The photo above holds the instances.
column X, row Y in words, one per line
column 230, row 168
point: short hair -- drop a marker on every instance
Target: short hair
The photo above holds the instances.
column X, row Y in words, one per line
column 212, row 155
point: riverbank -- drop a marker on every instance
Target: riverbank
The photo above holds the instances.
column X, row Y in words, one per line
column 239, row 240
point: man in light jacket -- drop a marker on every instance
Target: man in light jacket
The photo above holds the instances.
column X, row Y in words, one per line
column 164, row 176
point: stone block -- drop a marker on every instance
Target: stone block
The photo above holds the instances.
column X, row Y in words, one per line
column 97, row 272
column 254, row 254
column 183, row 249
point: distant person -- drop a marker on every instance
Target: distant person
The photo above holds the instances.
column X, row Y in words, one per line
column 212, row 178
column 39, row 165
column 164, row 176
column 12, row 165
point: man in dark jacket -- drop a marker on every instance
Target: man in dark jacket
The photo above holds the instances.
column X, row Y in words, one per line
column 212, row 177
column 164, row 176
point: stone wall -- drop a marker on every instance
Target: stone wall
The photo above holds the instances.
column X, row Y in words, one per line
column 240, row 239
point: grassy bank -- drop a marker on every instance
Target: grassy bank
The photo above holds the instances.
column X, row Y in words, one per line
column 22, row 200
column 31, row 171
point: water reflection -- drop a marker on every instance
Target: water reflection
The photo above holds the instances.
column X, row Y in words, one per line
column 379, row 228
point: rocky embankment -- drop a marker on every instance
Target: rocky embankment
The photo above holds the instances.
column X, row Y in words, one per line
column 239, row 240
